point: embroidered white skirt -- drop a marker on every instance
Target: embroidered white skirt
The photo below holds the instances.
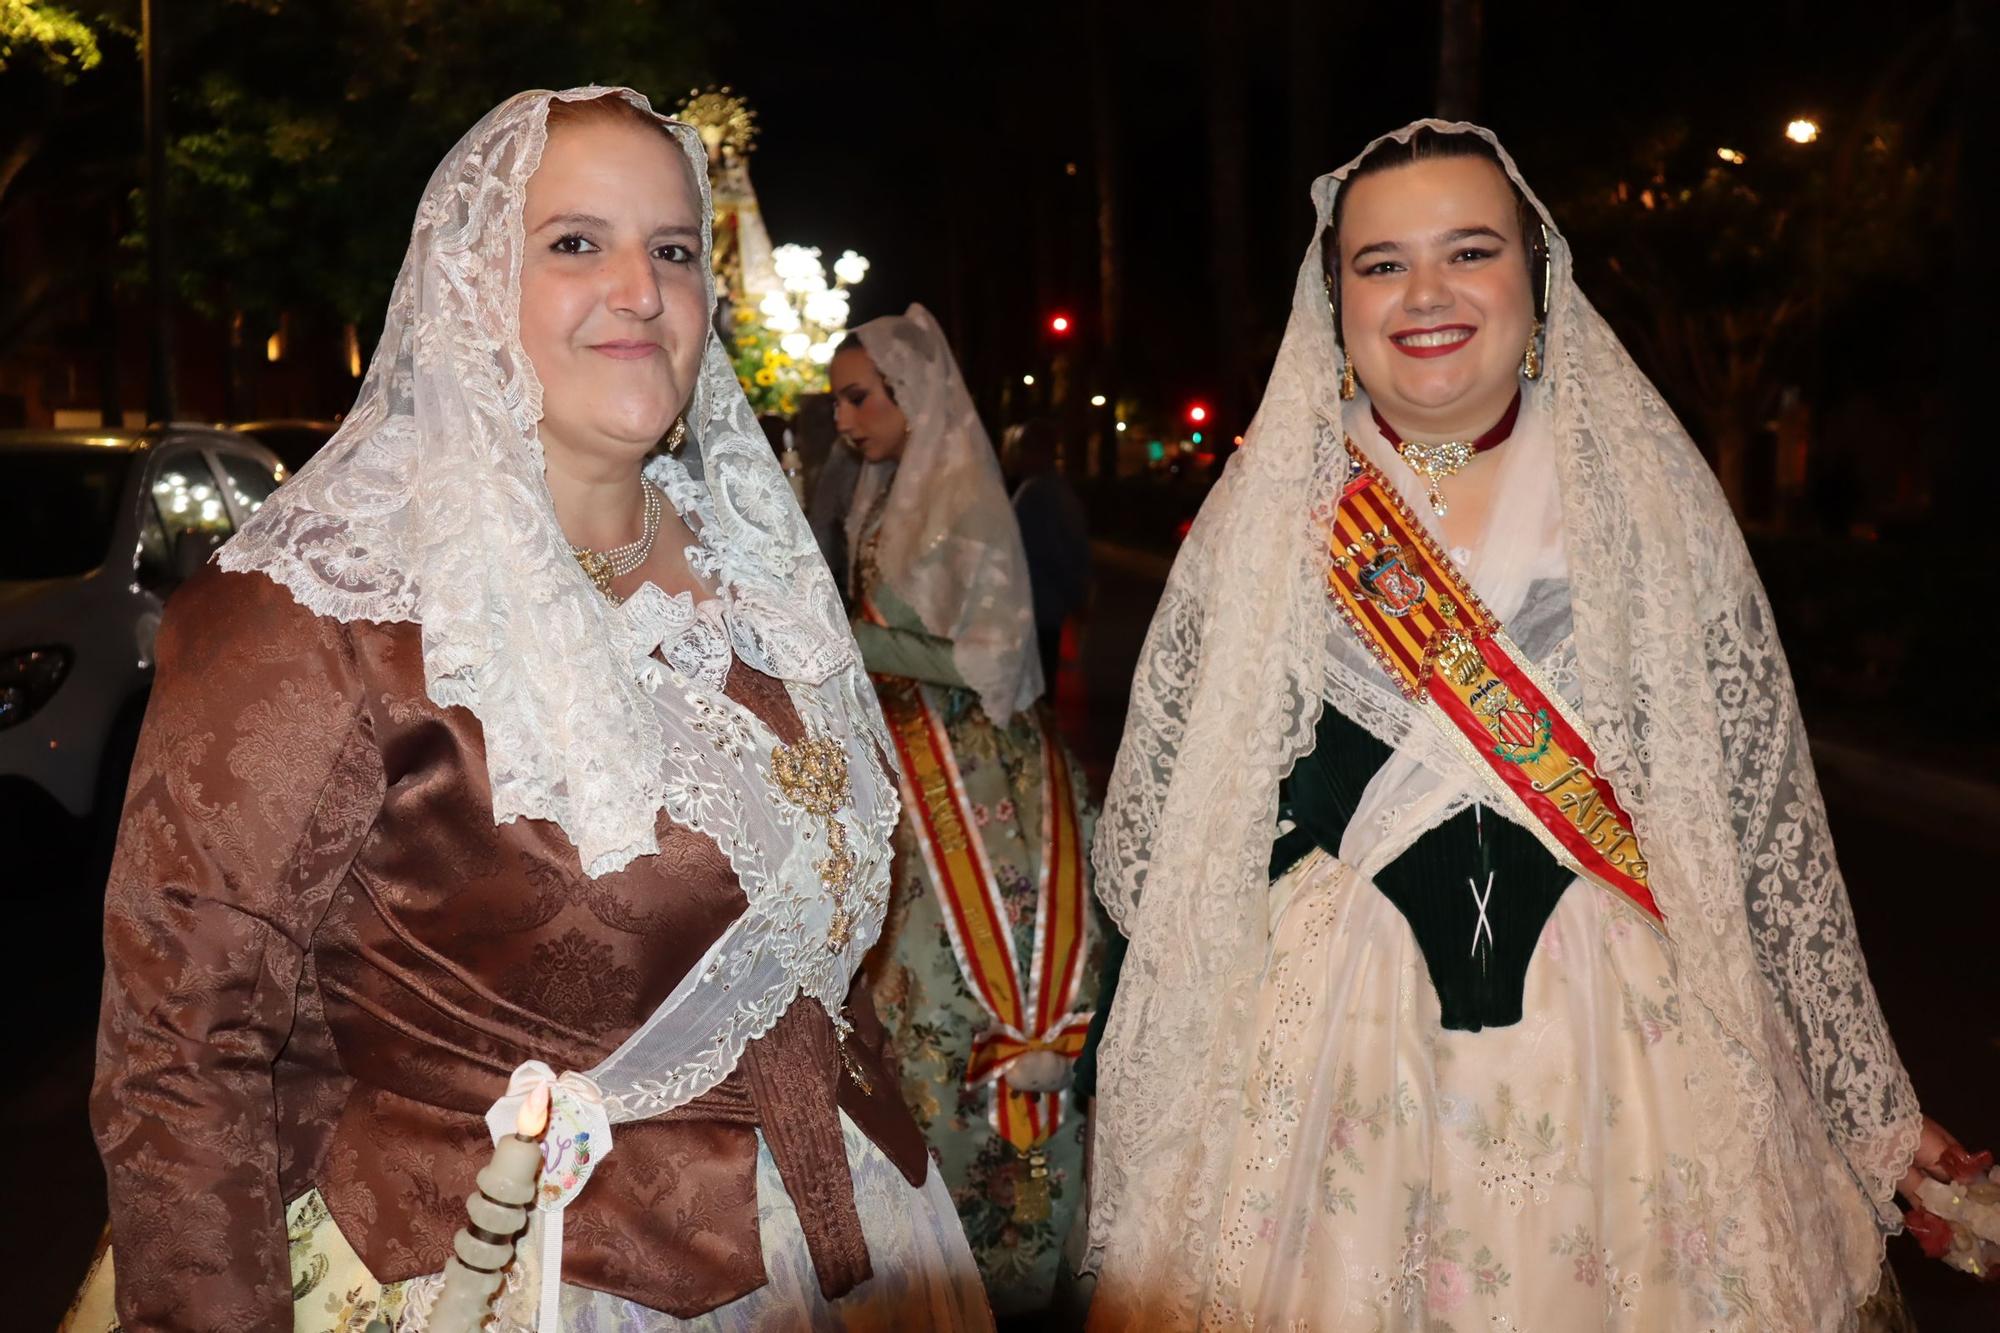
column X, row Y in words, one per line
column 1390, row 1174
column 924, row 1274
column 924, row 1277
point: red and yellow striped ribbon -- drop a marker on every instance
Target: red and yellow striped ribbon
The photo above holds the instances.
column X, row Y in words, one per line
column 1024, row 1119
column 1041, row 1017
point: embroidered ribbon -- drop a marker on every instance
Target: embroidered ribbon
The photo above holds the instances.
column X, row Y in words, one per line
column 1427, row 628
column 975, row 917
column 577, row 1140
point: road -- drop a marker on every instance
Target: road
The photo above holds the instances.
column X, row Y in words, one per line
column 1919, row 883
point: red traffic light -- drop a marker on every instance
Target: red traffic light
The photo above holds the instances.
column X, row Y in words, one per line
column 1059, row 324
column 1197, row 413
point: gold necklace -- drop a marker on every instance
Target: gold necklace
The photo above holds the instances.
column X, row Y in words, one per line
column 1435, row 462
column 1446, row 458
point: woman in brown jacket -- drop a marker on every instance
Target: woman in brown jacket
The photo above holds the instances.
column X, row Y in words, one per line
column 500, row 753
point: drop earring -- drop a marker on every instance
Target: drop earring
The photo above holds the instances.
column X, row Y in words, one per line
column 1347, row 363
column 677, row 436
column 1531, row 360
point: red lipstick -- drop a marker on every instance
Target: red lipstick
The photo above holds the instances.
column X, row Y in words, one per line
column 1439, row 349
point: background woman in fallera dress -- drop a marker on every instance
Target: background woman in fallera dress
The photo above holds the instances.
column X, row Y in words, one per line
column 988, row 962
column 1400, row 1043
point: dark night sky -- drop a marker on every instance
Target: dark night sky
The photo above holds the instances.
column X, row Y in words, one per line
column 933, row 137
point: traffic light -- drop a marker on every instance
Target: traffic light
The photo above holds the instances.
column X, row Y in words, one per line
column 1060, row 324
column 1197, row 413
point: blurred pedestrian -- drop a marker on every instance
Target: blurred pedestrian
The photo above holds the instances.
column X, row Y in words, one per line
column 498, row 751
column 1489, row 959
column 987, row 967
column 1055, row 534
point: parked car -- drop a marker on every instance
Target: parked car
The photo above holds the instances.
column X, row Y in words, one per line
column 96, row 529
column 293, row 441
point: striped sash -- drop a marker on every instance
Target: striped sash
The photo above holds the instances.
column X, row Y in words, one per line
column 1039, row 1016
column 1426, row 627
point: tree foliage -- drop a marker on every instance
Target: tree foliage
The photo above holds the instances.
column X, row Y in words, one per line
column 303, row 133
column 299, row 134
column 1732, row 281
column 53, row 38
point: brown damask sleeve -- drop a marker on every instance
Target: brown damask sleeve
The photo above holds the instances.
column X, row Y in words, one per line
column 255, row 780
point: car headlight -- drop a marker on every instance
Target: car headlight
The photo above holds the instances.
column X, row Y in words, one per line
column 28, row 679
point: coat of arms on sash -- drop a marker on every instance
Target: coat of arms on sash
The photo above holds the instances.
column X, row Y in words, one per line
column 1521, row 734
column 1391, row 584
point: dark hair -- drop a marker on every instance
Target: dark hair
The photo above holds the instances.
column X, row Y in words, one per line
column 850, row 341
column 1423, row 146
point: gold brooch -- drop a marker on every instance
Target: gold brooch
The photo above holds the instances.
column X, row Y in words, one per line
column 813, row 776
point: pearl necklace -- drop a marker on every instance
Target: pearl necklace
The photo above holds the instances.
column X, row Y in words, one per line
column 604, row 566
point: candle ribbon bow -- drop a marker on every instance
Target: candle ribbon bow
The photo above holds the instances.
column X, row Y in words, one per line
column 577, row 1139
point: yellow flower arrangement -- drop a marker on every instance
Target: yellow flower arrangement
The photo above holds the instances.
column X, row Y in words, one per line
column 773, row 379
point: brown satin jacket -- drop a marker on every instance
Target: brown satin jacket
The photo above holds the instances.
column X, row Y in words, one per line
column 323, row 960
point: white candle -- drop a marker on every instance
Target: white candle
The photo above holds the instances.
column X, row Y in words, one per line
column 497, row 1214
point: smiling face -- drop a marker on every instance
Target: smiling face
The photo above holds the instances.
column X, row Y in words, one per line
column 614, row 313
column 1436, row 306
column 863, row 409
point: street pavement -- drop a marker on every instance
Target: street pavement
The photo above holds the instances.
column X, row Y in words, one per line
column 1909, row 841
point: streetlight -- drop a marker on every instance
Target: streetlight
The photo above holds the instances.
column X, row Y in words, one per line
column 1028, row 380
column 1803, row 130
column 1731, row 156
column 1121, row 427
column 1097, row 400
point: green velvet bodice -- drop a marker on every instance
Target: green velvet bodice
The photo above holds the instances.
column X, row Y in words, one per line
column 1478, row 972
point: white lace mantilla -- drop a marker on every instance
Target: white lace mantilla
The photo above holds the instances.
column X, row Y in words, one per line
column 1807, row 1117
column 947, row 542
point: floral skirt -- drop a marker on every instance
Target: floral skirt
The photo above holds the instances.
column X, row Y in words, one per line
column 924, row 1274
column 1389, row 1174
column 1017, row 1206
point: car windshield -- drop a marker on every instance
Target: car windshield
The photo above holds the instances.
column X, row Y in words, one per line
column 58, row 507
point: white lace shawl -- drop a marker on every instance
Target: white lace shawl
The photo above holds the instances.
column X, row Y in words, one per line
column 430, row 505
column 1808, row 1118
column 950, row 547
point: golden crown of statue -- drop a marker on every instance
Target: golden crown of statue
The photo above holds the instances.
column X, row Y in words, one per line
column 727, row 123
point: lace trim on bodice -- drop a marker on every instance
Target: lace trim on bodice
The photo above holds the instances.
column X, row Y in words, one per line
column 691, row 637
